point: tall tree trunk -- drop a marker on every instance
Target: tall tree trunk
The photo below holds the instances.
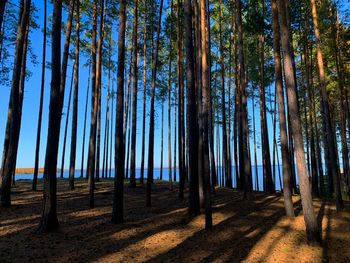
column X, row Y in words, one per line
column 73, row 148
column 228, row 180
column 194, row 208
column 65, row 54
column 134, row 100
column 49, row 221
column 169, row 103
column 84, row 129
column 94, row 102
column 312, row 229
column 42, row 89
column 162, row 144
column 286, row 165
column 255, row 157
column 180, row 98
column 144, row 102
column 66, row 126
column 118, row 196
column 333, row 170
column 245, row 166
column 175, row 139
column 205, row 115
column 151, row 125
column 266, row 158
column 14, row 111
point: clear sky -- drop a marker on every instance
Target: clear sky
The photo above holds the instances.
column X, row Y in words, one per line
column 31, row 107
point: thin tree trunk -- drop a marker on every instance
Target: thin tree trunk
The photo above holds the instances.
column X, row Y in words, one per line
column 94, row 106
column 175, row 139
column 2, row 11
column 66, row 127
column 73, row 148
column 84, row 129
column 144, row 102
column 162, row 144
column 151, row 125
column 42, row 89
column 169, row 104
column 49, row 221
column 134, row 100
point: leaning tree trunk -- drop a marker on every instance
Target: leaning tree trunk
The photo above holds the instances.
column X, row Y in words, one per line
column 118, row 196
column 13, row 117
column 66, row 127
column 73, row 148
column 49, row 221
column 42, row 89
column 334, row 169
column 312, row 229
column 151, row 125
column 286, row 165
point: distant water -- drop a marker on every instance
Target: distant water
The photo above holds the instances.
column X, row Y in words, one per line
column 156, row 174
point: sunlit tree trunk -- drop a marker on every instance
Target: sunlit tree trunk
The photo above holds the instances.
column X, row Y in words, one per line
column 333, row 169
column 134, row 99
column 286, row 165
column 312, row 229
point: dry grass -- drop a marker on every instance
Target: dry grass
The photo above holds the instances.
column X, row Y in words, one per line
column 251, row 231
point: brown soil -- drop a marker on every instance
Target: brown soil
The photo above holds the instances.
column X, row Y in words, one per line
column 250, row 231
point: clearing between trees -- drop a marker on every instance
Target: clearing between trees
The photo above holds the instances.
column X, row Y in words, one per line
column 254, row 230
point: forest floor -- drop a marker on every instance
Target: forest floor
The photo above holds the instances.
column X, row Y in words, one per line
column 249, row 231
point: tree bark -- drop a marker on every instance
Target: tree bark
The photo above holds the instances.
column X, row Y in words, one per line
column 49, row 221
column 333, row 168
column 151, row 125
column 286, row 165
column 73, row 148
column 312, row 229
column 119, row 158
column 42, row 89
column 134, row 100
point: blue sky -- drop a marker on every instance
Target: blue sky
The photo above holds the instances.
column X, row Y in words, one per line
column 31, row 108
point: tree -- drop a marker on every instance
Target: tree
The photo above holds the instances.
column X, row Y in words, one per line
column 151, row 125
column 49, row 221
column 333, row 162
column 287, row 188
column 134, row 100
column 42, row 89
column 194, row 208
column 312, row 230
column 73, row 148
column 14, row 111
column 118, row 195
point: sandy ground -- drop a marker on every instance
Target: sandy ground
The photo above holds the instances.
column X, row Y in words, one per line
column 248, row 231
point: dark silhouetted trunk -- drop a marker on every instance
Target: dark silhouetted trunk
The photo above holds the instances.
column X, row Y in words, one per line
column 14, row 110
column 144, row 103
column 118, row 195
column 49, row 221
column 151, row 125
column 42, row 89
column 73, row 148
